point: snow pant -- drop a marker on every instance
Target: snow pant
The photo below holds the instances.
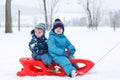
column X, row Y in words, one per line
column 46, row 58
column 74, row 64
column 64, row 63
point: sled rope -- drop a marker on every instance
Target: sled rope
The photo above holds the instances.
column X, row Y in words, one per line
column 108, row 52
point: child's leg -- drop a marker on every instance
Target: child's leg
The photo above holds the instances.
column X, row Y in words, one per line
column 35, row 56
column 46, row 58
column 64, row 63
column 75, row 64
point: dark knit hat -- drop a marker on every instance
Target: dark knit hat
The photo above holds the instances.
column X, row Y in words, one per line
column 57, row 24
column 57, row 20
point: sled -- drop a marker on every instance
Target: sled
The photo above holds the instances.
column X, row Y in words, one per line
column 33, row 67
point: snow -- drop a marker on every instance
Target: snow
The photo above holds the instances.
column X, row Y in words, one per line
column 90, row 44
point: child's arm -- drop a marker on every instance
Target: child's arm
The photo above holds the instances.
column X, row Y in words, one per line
column 70, row 47
column 32, row 45
column 53, row 48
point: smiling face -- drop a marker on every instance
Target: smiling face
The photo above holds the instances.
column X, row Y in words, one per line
column 38, row 32
column 58, row 30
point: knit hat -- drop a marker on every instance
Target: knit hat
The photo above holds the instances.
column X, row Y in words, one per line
column 41, row 26
column 57, row 24
column 57, row 20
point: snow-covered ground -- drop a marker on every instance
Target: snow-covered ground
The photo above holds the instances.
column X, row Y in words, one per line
column 90, row 44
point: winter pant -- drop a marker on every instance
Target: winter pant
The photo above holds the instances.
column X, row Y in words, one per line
column 46, row 58
column 64, row 63
column 74, row 64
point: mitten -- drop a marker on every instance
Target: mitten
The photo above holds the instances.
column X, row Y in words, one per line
column 71, row 57
column 35, row 49
column 72, row 52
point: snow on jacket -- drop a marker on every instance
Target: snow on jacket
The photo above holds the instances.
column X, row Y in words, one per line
column 58, row 43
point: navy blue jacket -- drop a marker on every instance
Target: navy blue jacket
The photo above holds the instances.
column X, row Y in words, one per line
column 38, row 45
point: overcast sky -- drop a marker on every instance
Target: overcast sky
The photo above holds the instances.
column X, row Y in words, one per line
column 69, row 6
column 110, row 4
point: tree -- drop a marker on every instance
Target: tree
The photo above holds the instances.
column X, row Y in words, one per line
column 52, row 9
column 92, row 11
column 45, row 10
column 114, row 18
column 49, row 8
column 8, row 19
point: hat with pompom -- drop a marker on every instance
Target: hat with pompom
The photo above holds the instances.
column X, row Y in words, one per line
column 57, row 24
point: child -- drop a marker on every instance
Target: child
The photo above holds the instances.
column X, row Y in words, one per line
column 39, row 48
column 57, row 44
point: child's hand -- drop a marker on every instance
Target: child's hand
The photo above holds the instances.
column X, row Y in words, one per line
column 71, row 57
column 41, row 51
column 35, row 49
column 72, row 52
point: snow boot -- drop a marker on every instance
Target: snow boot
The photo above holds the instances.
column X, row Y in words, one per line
column 73, row 73
column 51, row 68
column 57, row 69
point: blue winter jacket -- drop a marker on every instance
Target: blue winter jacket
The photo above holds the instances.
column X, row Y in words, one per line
column 38, row 45
column 58, row 43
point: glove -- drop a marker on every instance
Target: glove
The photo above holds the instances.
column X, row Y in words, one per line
column 72, row 52
column 36, row 50
column 71, row 57
column 41, row 52
column 66, row 55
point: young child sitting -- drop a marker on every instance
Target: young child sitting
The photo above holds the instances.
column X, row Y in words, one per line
column 39, row 48
column 57, row 44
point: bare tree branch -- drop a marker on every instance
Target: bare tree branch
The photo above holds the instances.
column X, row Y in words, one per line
column 92, row 9
column 53, row 5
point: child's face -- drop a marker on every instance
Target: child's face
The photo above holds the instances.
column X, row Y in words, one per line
column 58, row 30
column 38, row 32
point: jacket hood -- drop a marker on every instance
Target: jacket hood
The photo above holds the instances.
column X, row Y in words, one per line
column 32, row 33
